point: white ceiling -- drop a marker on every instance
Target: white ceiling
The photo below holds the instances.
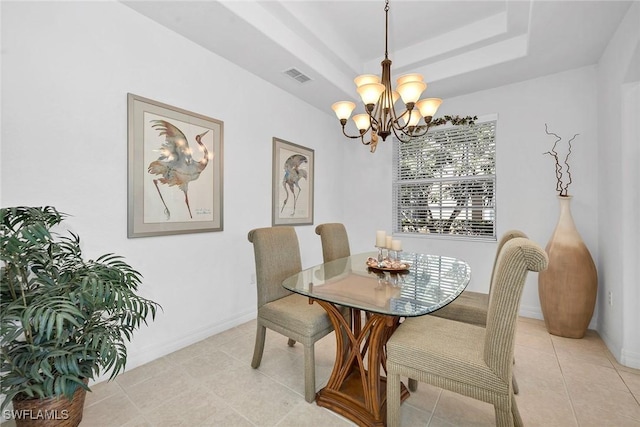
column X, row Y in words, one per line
column 459, row 46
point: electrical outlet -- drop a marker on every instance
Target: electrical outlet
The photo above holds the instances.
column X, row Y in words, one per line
column 610, row 298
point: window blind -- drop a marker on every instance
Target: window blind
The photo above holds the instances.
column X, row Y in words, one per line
column 444, row 182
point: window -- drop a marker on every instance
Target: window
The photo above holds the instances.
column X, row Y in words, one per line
column 444, row 182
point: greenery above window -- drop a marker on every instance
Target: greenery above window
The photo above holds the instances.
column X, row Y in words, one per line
column 444, row 182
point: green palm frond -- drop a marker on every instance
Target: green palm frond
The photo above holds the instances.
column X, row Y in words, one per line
column 63, row 319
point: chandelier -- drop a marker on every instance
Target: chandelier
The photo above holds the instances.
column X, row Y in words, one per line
column 379, row 100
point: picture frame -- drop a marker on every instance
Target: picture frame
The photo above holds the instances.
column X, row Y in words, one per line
column 292, row 185
column 175, row 170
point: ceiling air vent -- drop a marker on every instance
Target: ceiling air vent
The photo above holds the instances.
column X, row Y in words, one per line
column 297, row 75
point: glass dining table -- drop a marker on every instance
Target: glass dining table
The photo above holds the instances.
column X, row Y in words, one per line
column 379, row 297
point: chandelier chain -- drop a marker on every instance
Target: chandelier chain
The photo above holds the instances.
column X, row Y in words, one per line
column 386, row 30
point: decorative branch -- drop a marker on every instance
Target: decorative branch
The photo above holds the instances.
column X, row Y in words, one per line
column 561, row 187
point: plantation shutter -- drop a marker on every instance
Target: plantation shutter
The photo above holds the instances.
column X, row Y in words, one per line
column 444, row 182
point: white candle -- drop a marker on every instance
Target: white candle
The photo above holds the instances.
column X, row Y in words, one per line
column 396, row 245
column 387, row 242
column 381, row 238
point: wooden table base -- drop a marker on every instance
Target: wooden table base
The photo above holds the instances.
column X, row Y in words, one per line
column 355, row 389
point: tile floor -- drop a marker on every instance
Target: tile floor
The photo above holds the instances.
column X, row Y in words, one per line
column 563, row 382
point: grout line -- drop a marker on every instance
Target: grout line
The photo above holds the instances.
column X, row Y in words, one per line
column 433, row 411
column 564, row 382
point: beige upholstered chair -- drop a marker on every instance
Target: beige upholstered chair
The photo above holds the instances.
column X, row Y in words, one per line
column 335, row 241
column 277, row 255
column 471, row 307
column 465, row 358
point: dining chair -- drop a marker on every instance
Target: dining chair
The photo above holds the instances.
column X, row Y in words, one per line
column 277, row 256
column 471, row 307
column 465, row 358
column 335, row 241
column 335, row 245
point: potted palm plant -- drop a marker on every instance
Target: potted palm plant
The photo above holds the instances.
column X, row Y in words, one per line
column 64, row 320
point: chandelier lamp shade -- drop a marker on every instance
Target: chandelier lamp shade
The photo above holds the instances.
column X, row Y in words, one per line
column 379, row 99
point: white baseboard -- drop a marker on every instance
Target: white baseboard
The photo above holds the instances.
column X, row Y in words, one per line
column 630, row 359
column 531, row 312
column 160, row 349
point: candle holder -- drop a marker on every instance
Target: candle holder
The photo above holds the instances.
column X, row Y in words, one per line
column 393, row 279
column 397, row 255
column 380, row 257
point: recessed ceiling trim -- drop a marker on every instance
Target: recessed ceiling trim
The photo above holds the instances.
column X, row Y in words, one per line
column 487, row 56
column 476, row 33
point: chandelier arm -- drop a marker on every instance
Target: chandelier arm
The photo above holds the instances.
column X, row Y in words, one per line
column 403, row 135
column 406, row 122
column 361, row 136
column 343, row 122
column 374, row 123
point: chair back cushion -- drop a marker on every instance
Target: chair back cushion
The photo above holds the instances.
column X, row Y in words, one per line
column 517, row 257
column 277, row 255
column 335, row 242
column 508, row 235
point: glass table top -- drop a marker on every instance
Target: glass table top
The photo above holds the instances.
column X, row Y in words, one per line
column 430, row 283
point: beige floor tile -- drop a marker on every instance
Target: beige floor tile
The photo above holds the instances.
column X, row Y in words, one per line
column 464, row 411
column 604, row 401
column 593, row 416
column 247, row 327
column 194, row 350
column 632, row 381
column 539, row 342
column 260, row 399
column 424, row 398
column 592, row 376
column 102, row 391
column 535, row 369
column 157, row 390
column 195, row 406
column 531, row 327
column 136, row 422
column 312, row 415
column 544, row 407
column 411, row 416
column 563, row 382
column 439, row 422
column 111, row 412
column 240, row 332
column 211, row 365
column 287, row 368
column 142, row 373
column 588, row 349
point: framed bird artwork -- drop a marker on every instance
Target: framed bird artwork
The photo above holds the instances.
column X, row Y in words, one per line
column 175, row 170
column 292, row 183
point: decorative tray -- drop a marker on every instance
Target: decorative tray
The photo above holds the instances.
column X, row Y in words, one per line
column 387, row 265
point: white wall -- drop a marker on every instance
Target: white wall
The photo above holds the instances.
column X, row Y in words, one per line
column 526, row 197
column 619, row 194
column 66, row 70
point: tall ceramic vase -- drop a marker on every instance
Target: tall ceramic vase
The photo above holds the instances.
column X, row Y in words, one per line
column 568, row 287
